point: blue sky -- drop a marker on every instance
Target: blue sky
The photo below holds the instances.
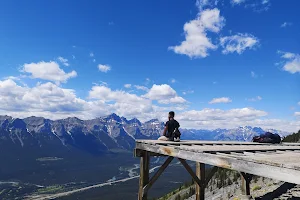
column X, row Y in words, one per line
column 217, row 63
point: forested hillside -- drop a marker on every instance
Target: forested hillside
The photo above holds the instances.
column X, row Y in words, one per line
column 295, row 137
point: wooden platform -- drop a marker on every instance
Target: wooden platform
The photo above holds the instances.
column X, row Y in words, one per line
column 281, row 161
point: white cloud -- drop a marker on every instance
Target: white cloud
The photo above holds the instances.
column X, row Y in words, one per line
column 216, row 118
column 299, row 103
column 164, row 94
column 12, row 78
column 41, row 100
column 91, row 54
column 127, row 85
column 258, row 98
column 297, row 113
column 286, row 55
column 196, row 43
column 236, row 2
column 255, row 5
column 173, row 80
column 140, row 87
column 291, row 63
column 285, row 24
column 220, row 100
column 121, row 102
column 206, row 3
column 175, row 100
column 238, row 43
column 158, row 92
column 51, row 101
column 218, row 114
column 104, row 68
column 64, row 61
column 253, row 74
column 48, row 71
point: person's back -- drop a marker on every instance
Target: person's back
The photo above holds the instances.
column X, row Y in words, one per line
column 171, row 131
column 172, row 125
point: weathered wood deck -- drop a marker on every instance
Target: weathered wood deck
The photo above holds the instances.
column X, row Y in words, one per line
column 281, row 161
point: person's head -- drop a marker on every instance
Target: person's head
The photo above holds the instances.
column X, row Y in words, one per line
column 171, row 114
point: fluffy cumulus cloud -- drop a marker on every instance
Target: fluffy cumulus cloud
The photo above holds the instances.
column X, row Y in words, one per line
column 197, row 43
column 48, row 71
column 121, row 102
column 220, row 100
column 164, row 94
column 216, row 118
column 54, row 102
column 42, row 100
column 291, row 62
column 104, row 68
column 238, row 43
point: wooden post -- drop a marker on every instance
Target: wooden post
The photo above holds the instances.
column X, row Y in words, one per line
column 200, row 172
column 144, row 175
column 246, row 178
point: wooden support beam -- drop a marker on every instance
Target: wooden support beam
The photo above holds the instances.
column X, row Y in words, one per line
column 144, row 175
column 157, row 174
column 200, row 188
column 139, row 153
column 210, row 175
column 191, row 172
column 246, row 179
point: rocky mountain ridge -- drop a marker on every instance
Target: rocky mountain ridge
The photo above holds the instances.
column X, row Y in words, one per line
column 105, row 133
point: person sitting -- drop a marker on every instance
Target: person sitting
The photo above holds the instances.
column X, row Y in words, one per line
column 171, row 131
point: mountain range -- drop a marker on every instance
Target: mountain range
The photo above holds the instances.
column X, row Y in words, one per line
column 105, row 133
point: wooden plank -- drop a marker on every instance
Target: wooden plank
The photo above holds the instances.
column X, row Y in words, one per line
column 200, row 173
column 199, row 142
column 157, row 174
column 235, row 148
column 261, row 169
column 144, row 175
column 283, row 159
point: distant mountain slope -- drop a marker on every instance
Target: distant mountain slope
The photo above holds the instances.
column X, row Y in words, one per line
column 104, row 134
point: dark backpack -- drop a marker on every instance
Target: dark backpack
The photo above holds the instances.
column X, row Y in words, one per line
column 176, row 133
column 267, row 138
